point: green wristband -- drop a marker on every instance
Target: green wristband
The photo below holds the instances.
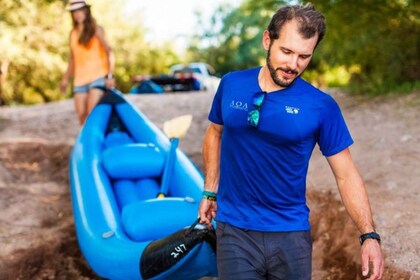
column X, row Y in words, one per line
column 212, row 196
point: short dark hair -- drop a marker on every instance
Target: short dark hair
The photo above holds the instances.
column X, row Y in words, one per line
column 310, row 21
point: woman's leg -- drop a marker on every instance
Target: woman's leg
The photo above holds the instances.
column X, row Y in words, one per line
column 80, row 106
column 96, row 91
column 93, row 97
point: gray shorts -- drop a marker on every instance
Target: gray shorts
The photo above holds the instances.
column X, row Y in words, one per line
column 246, row 254
column 98, row 83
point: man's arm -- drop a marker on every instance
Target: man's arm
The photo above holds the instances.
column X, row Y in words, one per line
column 353, row 193
column 211, row 158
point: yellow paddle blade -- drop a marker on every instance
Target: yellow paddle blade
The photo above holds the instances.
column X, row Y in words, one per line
column 177, row 127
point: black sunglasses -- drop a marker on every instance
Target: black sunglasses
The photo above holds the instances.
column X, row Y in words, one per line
column 254, row 115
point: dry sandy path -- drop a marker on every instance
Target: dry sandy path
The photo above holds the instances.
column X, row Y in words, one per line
column 35, row 142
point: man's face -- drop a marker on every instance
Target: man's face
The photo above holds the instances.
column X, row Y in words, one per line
column 289, row 55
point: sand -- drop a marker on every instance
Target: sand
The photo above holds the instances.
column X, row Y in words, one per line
column 37, row 236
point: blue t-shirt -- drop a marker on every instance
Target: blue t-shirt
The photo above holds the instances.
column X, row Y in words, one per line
column 263, row 170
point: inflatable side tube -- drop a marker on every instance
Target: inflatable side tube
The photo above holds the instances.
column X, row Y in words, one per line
column 163, row 254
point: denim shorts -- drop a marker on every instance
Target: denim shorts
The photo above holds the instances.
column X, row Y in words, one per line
column 247, row 254
column 98, row 83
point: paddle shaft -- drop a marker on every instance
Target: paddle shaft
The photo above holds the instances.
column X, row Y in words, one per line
column 169, row 165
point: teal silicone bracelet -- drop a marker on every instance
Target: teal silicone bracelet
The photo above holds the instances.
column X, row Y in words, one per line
column 211, row 198
column 211, row 194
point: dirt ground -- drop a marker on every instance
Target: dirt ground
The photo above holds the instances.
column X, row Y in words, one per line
column 37, row 237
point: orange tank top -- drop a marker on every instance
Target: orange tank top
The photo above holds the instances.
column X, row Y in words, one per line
column 90, row 62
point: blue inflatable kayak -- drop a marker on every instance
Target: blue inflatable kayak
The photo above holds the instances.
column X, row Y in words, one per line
column 123, row 229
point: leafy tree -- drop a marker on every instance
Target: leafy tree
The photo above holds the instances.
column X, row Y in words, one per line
column 134, row 56
column 30, row 45
column 235, row 36
column 370, row 46
column 34, row 47
column 375, row 38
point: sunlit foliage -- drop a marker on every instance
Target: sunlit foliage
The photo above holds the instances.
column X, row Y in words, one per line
column 371, row 46
column 34, row 48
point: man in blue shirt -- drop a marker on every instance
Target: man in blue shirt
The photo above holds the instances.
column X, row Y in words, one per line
column 265, row 123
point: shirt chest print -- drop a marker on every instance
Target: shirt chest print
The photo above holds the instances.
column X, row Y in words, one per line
column 238, row 105
column 292, row 110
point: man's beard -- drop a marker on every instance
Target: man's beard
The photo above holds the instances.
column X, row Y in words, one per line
column 273, row 72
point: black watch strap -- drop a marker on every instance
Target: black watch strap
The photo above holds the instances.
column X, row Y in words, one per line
column 370, row 235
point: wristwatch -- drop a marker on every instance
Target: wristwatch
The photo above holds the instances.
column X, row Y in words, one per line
column 370, row 235
column 109, row 76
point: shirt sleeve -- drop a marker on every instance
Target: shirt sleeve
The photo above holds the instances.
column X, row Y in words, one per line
column 215, row 114
column 334, row 136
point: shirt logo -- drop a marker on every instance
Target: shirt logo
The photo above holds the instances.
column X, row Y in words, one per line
column 291, row 110
column 239, row 105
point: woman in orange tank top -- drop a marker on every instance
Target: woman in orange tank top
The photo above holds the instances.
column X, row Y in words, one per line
column 91, row 62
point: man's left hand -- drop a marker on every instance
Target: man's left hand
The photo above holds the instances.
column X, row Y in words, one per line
column 372, row 260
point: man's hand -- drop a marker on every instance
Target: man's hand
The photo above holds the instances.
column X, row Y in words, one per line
column 372, row 260
column 207, row 211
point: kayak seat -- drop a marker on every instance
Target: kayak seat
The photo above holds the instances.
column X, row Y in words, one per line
column 133, row 161
column 156, row 218
column 129, row 191
column 117, row 138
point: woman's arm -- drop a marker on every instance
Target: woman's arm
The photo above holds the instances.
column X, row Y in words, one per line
column 69, row 72
column 100, row 33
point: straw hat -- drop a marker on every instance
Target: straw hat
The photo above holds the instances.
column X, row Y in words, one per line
column 76, row 5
